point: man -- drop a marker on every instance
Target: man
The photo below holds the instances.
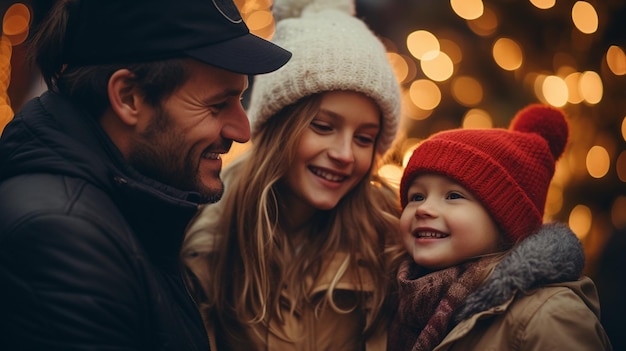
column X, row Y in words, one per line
column 100, row 175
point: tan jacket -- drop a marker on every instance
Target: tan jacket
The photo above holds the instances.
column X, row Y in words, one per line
column 561, row 316
column 330, row 330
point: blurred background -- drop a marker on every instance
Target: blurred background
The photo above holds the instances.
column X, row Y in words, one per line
column 473, row 64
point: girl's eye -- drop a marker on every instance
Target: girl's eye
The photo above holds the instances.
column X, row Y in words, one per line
column 320, row 126
column 455, row 195
column 416, row 197
column 365, row 139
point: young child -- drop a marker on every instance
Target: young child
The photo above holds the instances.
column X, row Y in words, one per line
column 481, row 260
column 295, row 255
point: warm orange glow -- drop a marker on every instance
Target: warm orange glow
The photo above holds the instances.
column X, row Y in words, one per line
column 580, row 220
column 616, row 60
column 410, row 111
column 572, row 81
column 258, row 20
column 422, row 44
column 598, row 161
column 236, row 150
column 591, row 87
column 452, row 49
column 425, row 94
column 554, row 201
column 467, row 9
column 400, row 66
column 438, row 68
column 261, row 23
column 246, row 7
column 543, row 4
column 585, row 17
column 477, row 119
column 392, row 173
column 414, row 143
column 486, row 24
column 507, row 54
column 538, row 87
column 467, row 91
column 555, row 91
column 15, row 23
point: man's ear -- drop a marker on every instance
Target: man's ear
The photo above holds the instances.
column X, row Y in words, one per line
column 124, row 97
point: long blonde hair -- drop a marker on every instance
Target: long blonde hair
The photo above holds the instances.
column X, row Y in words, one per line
column 248, row 267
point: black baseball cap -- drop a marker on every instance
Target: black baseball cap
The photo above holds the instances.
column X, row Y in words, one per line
column 127, row 31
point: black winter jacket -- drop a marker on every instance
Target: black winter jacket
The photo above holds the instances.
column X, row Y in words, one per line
column 89, row 249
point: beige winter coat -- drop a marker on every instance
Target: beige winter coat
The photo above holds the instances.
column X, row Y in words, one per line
column 330, row 330
column 554, row 317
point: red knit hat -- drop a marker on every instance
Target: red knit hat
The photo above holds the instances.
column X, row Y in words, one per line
column 508, row 170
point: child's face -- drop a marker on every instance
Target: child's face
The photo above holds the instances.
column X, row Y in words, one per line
column 335, row 152
column 443, row 223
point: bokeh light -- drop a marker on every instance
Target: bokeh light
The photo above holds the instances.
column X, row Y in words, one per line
column 425, row 94
column 477, row 119
column 572, row 81
column 543, row 4
column 616, row 60
column 467, row 9
column 485, row 25
column 507, row 54
column 15, row 24
column 598, row 161
column 580, row 220
column 438, row 68
column 422, row 44
column 585, row 17
column 467, row 90
column 591, row 87
column 554, row 90
column 392, row 173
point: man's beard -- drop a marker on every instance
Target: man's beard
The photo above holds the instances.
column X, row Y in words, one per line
column 156, row 153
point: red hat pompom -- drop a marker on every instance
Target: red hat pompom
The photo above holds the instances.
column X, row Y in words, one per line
column 547, row 121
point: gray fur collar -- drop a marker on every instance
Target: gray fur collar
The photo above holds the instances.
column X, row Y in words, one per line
column 553, row 254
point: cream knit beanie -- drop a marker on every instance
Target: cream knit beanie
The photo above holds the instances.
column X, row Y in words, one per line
column 332, row 50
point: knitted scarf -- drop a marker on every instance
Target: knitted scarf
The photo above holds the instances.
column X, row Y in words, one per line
column 427, row 303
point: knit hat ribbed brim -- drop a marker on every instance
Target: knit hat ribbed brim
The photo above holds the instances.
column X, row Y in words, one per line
column 508, row 170
column 332, row 50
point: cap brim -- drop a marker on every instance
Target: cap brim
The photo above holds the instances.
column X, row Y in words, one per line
column 247, row 54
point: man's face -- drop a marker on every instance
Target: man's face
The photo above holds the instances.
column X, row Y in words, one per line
column 180, row 145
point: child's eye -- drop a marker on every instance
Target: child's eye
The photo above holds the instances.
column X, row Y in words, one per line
column 365, row 139
column 416, row 197
column 455, row 195
column 320, row 126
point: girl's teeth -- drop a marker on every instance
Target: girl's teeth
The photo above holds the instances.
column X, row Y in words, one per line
column 328, row 176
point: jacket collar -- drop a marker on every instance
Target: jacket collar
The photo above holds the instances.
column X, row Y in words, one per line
column 553, row 254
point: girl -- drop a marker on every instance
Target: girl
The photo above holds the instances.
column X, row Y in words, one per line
column 480, row 259
column 296, row 254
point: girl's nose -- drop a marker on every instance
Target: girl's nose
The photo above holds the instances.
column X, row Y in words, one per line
column 341, row 149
